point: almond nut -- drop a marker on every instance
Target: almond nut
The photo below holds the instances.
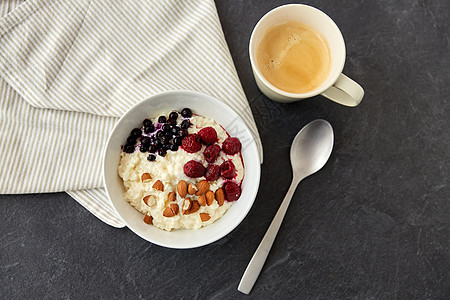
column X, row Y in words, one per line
column 182, row 188
column 171, row 210
column 174, row 207
column 172, row 196
column 194, row 208
column 146, row 178
column 158, row 185
column 148, row 219
column 204, row 217
column 187, row 203
column 203, row 187
column 192, row 189
column 220, row 196
column 149, row 200
column 202, row 200
column 209, row 197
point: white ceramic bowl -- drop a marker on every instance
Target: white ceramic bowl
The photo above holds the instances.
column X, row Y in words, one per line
column 203, row 105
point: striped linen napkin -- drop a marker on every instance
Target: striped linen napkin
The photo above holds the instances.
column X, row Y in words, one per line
column 69, row 69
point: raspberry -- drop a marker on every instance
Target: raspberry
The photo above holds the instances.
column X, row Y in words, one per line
column 194, row 169
column 191, row 143
column 232, row 191
column 231, row 145
column 211, row 153
column 208, row 135
column 212, row 172
column 228, row 170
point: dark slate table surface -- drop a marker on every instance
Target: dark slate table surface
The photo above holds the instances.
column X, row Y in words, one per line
column 372, row 224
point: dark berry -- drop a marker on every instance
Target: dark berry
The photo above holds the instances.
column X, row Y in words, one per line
column 172, row 121
column 208, row 135
column 162, row 119
column 173, row 115
column 143, row 148
column 173, row 147
column 185, row 124
column 166, row 128
column 145, row 140
column 158, row 143
column 162, row 152
column 152, row 148
column 128, row 148
column 232, row 191
column 191, row 143
column 193, row 169
column 231, row 145
column 175, row 129
column 147, row 123
column 212, row 172
column 183, row 132
column 177, row 141
column 228, row 170
column 136, row 132
column 151, row 157
column 131, row 140
column 149, row 129
column 159, row 134
column 164, row 140
column 186, row 112
column 211, row 153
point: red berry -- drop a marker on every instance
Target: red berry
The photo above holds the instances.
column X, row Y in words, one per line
column 228, row 170
column 212, row 172
column 211, row 153
column 231, row 145
column 208, row 135
column 232, row 191
column 191, row 143
column 194, row 169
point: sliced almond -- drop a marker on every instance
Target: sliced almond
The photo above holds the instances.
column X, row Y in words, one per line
column 149, row 200
column 158, row 185
column 202, row 200
column 172, row 196
column 148, row 219
column 146, row 178
column 174, row 207
column 204, row 217
column 209, row 197
column 194, row 208
column 187, row 203
column 220, row 196
column 182, row 188
column 192, row 189
column 203, row 187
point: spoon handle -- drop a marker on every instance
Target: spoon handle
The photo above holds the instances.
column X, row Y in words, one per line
column 259, row 258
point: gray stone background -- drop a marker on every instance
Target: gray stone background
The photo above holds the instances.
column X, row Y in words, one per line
column 372, row 224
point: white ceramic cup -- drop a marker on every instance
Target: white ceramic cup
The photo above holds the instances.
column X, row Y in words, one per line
column 337, row 86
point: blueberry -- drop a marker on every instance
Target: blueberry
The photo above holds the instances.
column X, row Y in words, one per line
column 175, row 129
column 185, row 124
column 136, row 132
column 158, row 143
column 162, row 152
column 147, row 123
column 164, row 140
column 131, row 140
column 128, row 148
column 159, row 134
column 143, row 148
column 149, row 129
column 151, row 157
column 145, row 140
column 162, row 119
column 172, row 121
column 177, row 141
column 186, row 112
column 152, row 148
column 183, row 132
column 167, row 128
column 173, row 115
column 173, row 147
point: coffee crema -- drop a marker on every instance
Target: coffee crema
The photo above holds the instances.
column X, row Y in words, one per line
column 294, row 57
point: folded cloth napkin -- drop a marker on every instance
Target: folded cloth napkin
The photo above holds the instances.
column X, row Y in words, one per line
column 70, row 68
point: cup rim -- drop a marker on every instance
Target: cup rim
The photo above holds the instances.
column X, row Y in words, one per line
column 314, row 92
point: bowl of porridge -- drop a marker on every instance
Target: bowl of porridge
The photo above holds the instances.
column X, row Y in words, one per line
column 181, row 169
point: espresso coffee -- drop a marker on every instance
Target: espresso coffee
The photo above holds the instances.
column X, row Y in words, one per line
column 294, row 57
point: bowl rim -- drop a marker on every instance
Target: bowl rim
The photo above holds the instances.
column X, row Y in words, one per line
column 257, row 174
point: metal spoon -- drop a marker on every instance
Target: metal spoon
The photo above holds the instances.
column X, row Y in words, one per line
column 310, row 151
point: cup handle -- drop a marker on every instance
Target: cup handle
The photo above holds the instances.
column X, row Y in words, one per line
column 345, row 91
